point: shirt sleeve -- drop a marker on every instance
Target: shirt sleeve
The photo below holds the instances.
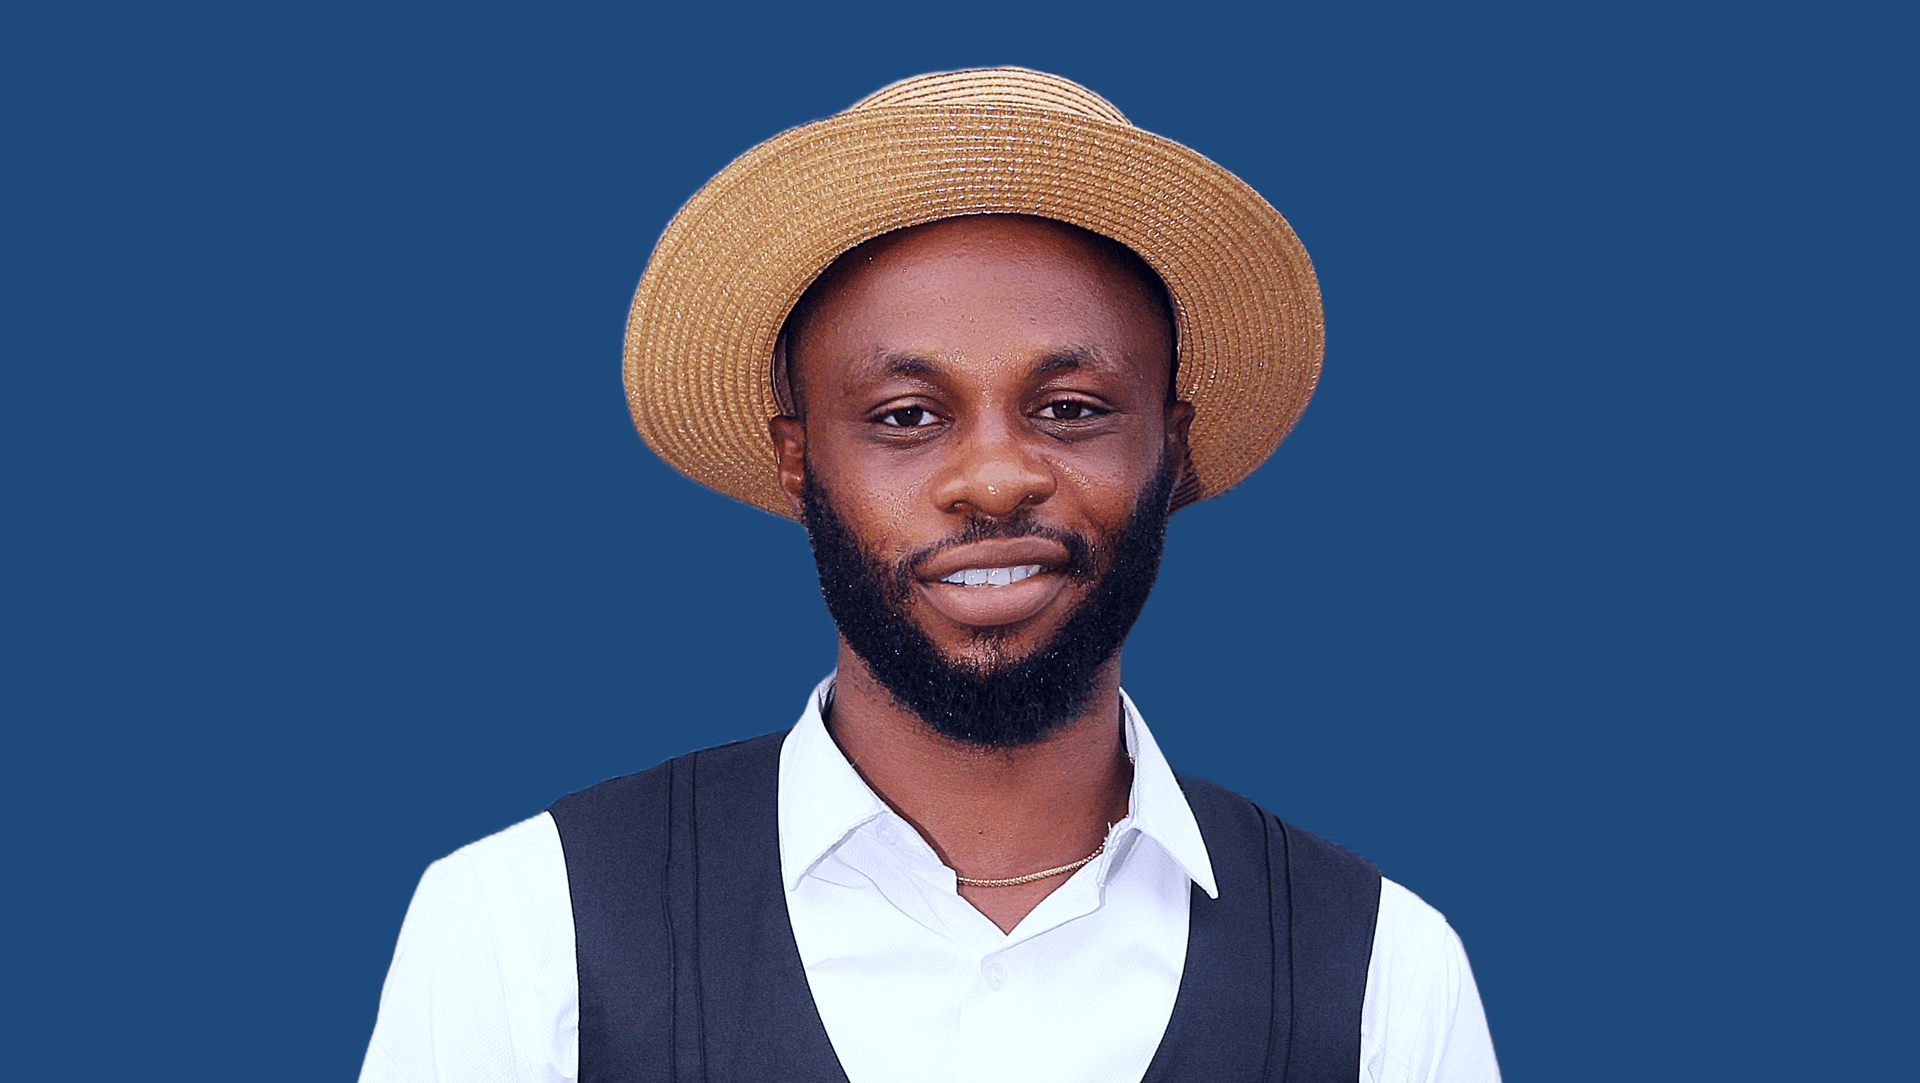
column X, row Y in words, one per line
column 1422, row 1022
column 482, row 988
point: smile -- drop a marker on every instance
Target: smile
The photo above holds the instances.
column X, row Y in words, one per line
column 996, row 581
column 991, row 577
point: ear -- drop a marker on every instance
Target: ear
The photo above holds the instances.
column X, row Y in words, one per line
column 789, row 436
column 788, row 430
column 1179, row 421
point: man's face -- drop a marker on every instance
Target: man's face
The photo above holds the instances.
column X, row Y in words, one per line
column 985, row 462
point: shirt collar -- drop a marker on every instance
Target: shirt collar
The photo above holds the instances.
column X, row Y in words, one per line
column 1158, row 807
column 823, row 799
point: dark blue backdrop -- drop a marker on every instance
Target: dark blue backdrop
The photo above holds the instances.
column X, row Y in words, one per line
column 1580, row 601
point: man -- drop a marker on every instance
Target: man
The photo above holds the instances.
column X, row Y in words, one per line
column 995, row 336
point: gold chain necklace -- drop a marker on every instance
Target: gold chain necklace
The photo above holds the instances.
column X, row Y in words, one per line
column 1029, row 878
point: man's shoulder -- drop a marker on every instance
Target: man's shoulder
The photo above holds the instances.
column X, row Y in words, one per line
column 626, row 832
column 1417, row 979
column 529, row 842
column 1423, row 1016
column 628, row 793
column 1416, row 937
column 1227, row 815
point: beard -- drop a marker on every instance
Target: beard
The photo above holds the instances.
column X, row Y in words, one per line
column 996, row 700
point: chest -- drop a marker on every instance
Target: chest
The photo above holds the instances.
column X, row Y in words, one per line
column 690, row 967
column 912, row 982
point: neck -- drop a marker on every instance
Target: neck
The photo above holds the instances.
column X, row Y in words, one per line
column 990, row 813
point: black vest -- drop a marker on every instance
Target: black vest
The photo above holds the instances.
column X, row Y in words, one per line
column 689, row 971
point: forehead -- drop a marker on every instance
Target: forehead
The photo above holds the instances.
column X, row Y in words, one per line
column 983, row 285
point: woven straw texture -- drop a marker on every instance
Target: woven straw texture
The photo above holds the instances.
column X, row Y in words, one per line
column 733, row 262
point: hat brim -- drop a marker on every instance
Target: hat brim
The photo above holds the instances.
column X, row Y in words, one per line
column 732, row 263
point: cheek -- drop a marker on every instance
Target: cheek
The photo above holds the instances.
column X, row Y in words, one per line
column 884, row 499
column 1110, row 484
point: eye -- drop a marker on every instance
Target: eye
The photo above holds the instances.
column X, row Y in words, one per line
column 1070, row 410
column 907, row 417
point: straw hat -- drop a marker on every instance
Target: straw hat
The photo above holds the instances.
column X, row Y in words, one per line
column 733, row 262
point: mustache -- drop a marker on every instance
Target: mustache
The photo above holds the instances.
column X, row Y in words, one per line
column 1081, row 554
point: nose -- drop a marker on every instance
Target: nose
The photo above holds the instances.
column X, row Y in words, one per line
column 992, row 474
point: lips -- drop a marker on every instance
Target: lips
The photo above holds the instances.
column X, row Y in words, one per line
column 989, row 584
column 1043, row 553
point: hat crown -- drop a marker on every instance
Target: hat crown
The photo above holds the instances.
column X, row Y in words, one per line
column 1020, row 87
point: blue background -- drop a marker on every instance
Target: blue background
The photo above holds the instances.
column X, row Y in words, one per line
column 1581, row 600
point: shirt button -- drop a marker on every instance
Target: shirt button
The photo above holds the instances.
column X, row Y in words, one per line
column 996, row 975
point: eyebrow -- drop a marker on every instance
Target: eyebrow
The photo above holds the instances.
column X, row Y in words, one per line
column 909, row 363
column 1068, row 359
column 904, row 363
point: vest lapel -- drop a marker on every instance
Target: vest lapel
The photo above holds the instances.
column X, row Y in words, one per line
column 760, row 1022
column 1281, row 955
column 1230, row 1017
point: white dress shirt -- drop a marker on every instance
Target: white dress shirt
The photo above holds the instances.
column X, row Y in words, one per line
column 912, row 983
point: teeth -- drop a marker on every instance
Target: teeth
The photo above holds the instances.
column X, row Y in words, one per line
column 974, row 577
